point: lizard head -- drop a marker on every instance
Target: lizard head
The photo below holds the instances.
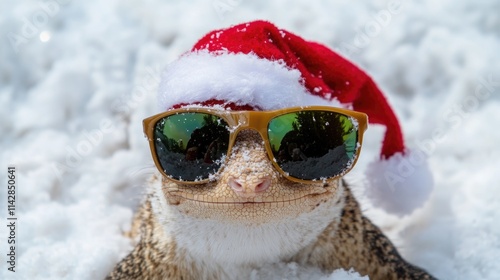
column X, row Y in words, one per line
column 249, row 189
column 250, row 213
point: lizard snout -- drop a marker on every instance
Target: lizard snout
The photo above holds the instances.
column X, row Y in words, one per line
column 248, row 186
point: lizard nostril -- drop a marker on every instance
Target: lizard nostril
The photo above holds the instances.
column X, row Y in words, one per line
column 263, row 185
column 235, row 185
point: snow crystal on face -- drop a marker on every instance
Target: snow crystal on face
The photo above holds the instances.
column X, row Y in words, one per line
column 246, row 155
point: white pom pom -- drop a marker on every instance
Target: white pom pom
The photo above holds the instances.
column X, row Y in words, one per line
column 400, row 184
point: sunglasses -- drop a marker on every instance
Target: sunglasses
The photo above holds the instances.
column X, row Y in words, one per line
column 305, row 144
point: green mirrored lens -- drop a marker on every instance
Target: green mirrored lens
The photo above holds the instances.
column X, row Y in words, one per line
column 313, row 145
column 190, row 146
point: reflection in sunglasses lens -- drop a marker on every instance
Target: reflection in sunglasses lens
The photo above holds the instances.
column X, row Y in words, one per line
column 191, row 146
column 312, row 145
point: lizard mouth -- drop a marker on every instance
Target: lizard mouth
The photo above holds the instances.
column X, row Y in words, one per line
column 250, row 201
column 210, row 197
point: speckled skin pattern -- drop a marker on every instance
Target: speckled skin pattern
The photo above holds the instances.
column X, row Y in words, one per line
column 224, row 230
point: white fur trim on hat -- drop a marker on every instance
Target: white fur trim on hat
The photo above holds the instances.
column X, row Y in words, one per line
column 243, row 79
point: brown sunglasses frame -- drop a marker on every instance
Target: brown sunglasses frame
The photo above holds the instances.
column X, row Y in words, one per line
column 258, row 121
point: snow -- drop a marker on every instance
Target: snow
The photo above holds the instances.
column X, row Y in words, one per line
column 78, row 77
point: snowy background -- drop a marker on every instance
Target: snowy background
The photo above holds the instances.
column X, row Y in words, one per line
column 78, row 77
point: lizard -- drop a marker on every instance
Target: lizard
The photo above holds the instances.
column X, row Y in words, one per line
column 249, row 213
column 251, row 216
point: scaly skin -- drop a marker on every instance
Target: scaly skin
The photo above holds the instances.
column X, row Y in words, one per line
column 224, row 230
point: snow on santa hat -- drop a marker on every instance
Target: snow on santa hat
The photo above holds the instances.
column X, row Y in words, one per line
column 257, row 66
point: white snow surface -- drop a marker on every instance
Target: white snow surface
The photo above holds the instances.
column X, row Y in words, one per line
column 78, row 77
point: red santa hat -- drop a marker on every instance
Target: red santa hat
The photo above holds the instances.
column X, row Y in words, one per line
column 258, row 66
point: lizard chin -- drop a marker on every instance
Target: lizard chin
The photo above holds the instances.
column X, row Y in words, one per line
column 245, row 232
